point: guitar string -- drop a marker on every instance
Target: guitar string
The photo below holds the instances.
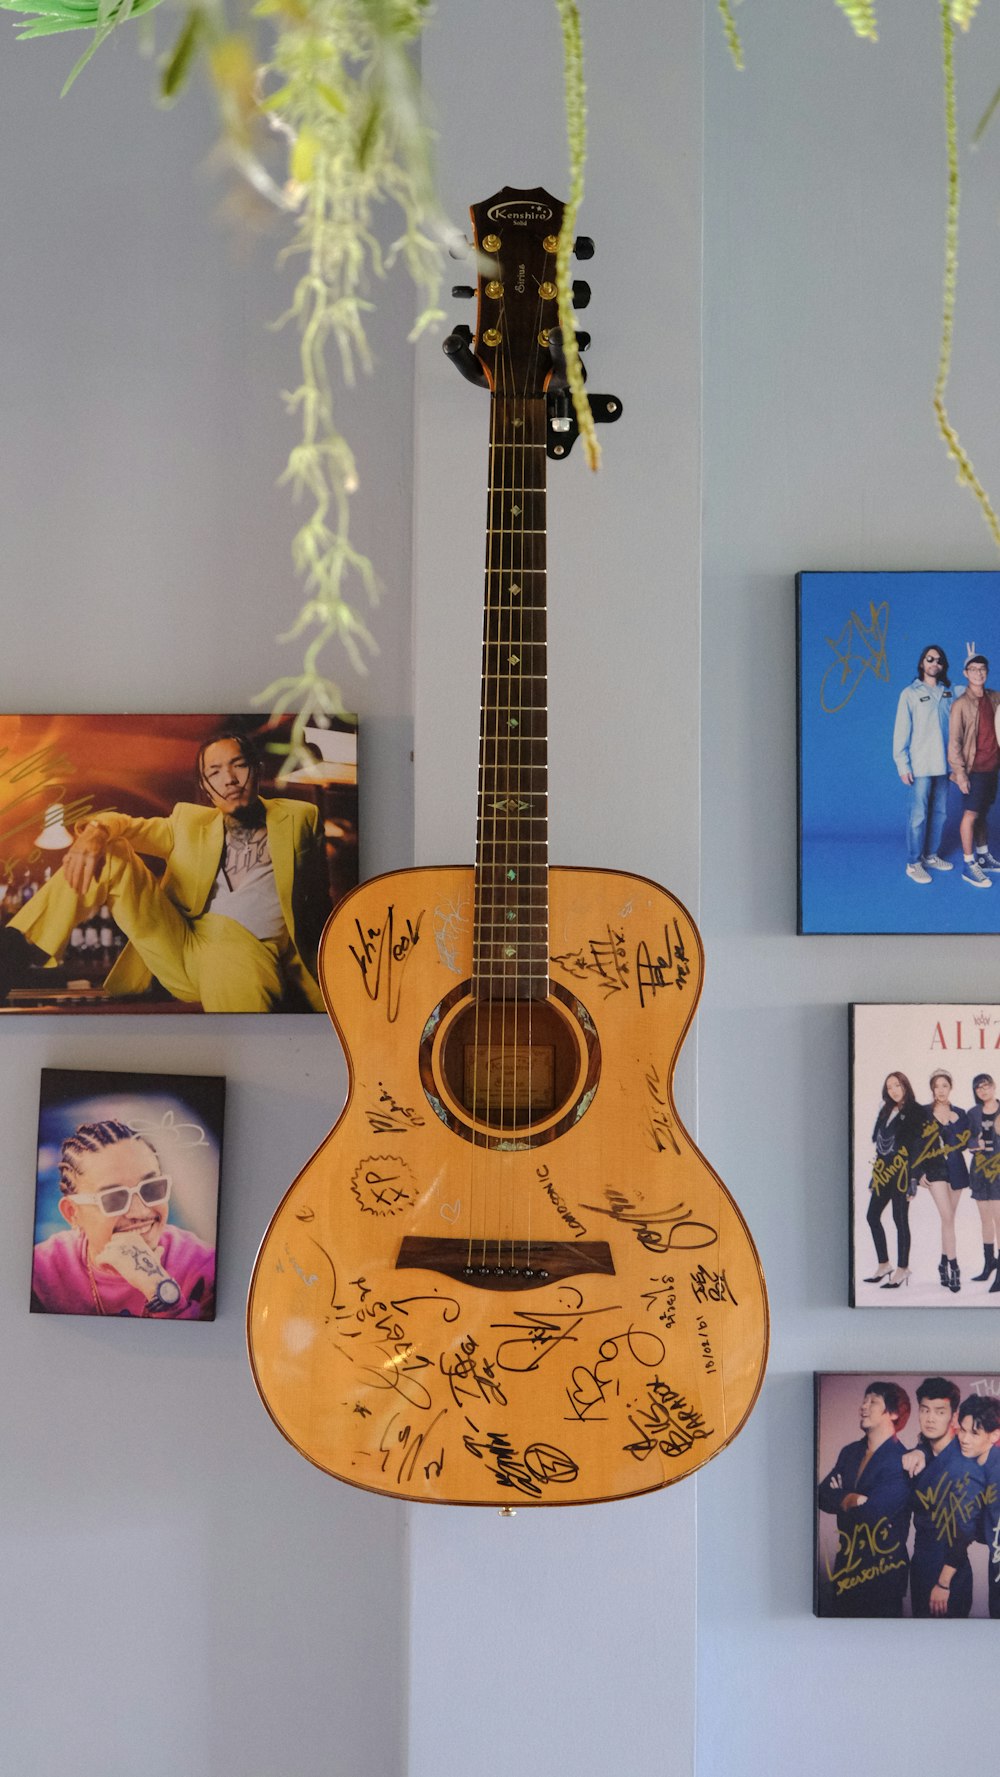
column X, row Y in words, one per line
column 481, row 1106
column 501, row 499
column 522, row 1011
column 511, row 576
column 493, row 1083
column 478, row 899
column 537, row 927
column 512, row 849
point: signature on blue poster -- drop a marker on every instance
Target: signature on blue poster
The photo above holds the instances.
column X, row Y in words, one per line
column 899, row 752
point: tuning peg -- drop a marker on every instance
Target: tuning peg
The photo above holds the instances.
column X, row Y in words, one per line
column 459, row 246
column 467, row 290
column 582, row 340
column 559, row 358
column 581, row 293
column 557, row 355
column 458, row 347
column 583, row 247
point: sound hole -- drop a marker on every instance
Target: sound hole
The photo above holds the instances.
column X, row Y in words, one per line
column 513, row 1071
column 509, row 1064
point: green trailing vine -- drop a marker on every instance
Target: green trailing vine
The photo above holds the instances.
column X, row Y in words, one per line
column 960, row 13
column 341, row 81
column 322, row 113
column 951, row 14
column 732, row 35
column 576, row 131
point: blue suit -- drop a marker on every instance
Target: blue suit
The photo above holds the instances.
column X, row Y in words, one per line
column 947, row 1506
column 871, row 1567
column 989, row 1524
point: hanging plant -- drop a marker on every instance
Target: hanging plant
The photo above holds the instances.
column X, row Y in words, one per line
column 861, row 14
column 322, row 112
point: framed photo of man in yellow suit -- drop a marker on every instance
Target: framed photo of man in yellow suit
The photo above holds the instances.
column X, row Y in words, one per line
column 170, row 863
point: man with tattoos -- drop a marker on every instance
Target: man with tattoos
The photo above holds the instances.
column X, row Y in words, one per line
column 119, row 1255
column 234, row 921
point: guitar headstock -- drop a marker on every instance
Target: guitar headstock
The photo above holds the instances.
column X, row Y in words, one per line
column 515, row 234
column 517, row 348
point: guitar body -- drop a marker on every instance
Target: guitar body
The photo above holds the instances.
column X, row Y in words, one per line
column 564, row 1311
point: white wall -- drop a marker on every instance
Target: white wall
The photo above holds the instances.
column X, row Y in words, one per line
column 824, row 194
column 565, row 1641
column 181, row 1591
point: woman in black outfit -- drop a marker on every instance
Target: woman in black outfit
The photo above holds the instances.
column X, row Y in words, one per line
column 941, row 1165
column 896, row 1130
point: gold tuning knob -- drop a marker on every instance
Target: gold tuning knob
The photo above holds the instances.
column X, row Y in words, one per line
column 491, row 243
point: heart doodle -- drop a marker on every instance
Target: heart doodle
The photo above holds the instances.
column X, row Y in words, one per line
column 451, row 1211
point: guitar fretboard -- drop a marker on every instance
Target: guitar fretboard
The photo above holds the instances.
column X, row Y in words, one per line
column 511, row 922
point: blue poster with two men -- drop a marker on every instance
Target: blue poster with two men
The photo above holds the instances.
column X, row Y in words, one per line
column 899, row 755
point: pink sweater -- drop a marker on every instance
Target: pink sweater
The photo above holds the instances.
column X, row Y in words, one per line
column 60, row 1283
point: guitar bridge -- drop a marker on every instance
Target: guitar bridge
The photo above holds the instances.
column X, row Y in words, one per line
column 518, row 1265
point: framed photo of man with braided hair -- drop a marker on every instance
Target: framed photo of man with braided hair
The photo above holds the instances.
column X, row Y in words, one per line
column 127, row 1195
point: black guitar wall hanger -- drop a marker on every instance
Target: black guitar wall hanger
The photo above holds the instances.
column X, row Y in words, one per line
column 563, row 431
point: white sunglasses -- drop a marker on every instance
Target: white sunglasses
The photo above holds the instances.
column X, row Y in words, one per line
column 115, row 1199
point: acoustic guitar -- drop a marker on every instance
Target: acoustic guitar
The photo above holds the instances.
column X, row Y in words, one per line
column 508, row 1276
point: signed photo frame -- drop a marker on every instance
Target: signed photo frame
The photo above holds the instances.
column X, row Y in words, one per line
column 213, row 859
column 866, row 722
column 925, row 1156
column 907, row 1493
column 127, row 1194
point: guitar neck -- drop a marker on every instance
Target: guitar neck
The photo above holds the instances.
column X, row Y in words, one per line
column 511, row 921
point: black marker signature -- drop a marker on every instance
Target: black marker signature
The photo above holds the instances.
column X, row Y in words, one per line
column 392, row 1118
column 538, row 1335
column 607, row 958
column 381, row 954
column 471, row 1376
column 409, row 1445
column 665, row 1422
column 711, row 1286
column 661, row 1123
column 540, row 1465
column 683, row 1232
column 399, row 1372
column 590, row 1388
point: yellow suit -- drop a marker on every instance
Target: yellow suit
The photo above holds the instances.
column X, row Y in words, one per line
column 195, row 954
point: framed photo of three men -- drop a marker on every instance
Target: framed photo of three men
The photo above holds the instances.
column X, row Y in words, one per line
column 171, row 863
column 899, row 755
column 907, row 1494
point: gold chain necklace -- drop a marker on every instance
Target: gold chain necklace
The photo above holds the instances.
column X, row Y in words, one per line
column 99, row 1307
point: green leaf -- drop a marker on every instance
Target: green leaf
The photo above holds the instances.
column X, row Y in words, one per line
column 368, row 134
column 179, row 62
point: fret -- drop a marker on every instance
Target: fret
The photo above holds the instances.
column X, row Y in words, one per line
column 508, row 881
column 534, row 920
column 525, row 952
column 515, row 553
column 530, row 940
column 518, row 654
